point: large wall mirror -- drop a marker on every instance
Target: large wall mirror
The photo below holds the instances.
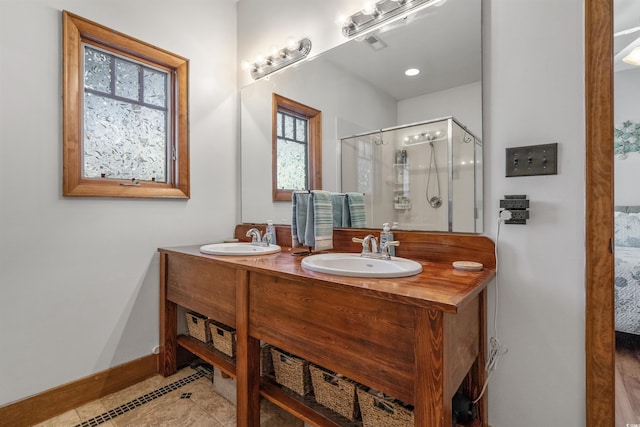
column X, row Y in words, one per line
column 361, row 89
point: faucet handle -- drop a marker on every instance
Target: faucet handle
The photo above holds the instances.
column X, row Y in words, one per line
column 369, row 244
column 266, row 238
column 384, row 248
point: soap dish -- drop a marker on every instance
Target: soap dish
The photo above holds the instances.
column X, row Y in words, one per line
column 467, row 266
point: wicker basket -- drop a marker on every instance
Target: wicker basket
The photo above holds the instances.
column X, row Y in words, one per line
column 334, row 391
column 198, row 326
column 378, row 411
column 224, row 338
column 291, row 371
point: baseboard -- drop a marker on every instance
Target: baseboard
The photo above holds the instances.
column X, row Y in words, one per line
column 59, row 400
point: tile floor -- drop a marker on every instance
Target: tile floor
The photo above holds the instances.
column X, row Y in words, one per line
column 184, row 399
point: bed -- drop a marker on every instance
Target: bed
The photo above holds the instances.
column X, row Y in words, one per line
column 627, row 269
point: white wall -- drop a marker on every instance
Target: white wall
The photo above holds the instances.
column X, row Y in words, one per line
column 533, row 93
column 79, row 277
column 627, row 107
column 462, row 102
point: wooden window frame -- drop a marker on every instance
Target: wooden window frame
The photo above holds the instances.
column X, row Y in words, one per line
column 78, row 30
column 314, row 149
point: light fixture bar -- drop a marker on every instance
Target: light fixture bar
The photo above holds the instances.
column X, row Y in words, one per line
column 294, row 52
column 627, row 31
column 379, row 12
column 423, row 137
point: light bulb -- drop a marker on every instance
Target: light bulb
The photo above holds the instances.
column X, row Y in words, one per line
column 342, row 21
column 293, row 44
column 412, row 72
column 245, row 65
column 369, row 8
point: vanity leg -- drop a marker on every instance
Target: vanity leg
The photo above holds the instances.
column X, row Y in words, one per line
column 430, row 406
column 168, row 325
column 247, row 359
column 478, row 374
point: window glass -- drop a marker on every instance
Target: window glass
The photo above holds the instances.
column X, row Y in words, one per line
column 292, row 170
column 126, row 134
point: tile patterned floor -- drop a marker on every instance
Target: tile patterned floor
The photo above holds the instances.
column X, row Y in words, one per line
column 184, row 399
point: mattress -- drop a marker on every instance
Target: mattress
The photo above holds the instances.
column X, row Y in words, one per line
column 627, row 289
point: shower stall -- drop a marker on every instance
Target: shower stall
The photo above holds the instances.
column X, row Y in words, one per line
column 423, row 176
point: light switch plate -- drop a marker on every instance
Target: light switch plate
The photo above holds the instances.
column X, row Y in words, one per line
column 532, row 160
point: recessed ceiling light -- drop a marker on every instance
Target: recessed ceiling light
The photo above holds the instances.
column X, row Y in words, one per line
column 412, row 72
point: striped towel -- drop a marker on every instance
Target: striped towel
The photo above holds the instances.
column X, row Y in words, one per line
column 319, row 232
column 299, row 207
column 357, row 213
column 340, row 210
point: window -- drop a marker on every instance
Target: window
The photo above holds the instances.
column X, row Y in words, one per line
column 296, row 150
column 125, row 115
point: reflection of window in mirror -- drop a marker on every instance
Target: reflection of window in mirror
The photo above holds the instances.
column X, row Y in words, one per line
column 125, row 115
column 297, row 148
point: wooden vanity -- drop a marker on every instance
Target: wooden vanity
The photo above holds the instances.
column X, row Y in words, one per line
column 418, row 339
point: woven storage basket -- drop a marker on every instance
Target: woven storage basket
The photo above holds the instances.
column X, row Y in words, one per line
column 198, row 326
column 291, row 371
column 335, row 392
column 266, row 359
column 377, row 411
column 224, row 338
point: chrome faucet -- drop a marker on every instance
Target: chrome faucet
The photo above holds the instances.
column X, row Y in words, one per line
column 370, row 248
column 256, row 236
column 371, row 242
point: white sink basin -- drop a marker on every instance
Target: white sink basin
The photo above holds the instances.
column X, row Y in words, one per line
column 238, row 248
column 353, row 265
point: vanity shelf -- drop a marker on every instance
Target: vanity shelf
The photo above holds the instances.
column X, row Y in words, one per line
column 304, row 408
column 209, row 354
column 417, row 338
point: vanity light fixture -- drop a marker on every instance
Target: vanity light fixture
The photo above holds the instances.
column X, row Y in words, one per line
column 376, row 12
column 422, row 137
column 293, row 52
column 634, row 57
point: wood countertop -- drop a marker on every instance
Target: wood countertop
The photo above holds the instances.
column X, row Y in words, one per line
column 438, row 286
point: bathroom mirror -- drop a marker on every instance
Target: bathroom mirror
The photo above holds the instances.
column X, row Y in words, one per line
column 361, row 86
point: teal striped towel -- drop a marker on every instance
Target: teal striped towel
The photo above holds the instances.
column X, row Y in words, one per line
column 340, row 210
column 299, row 207
column 357, row 213
column 319, row 232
